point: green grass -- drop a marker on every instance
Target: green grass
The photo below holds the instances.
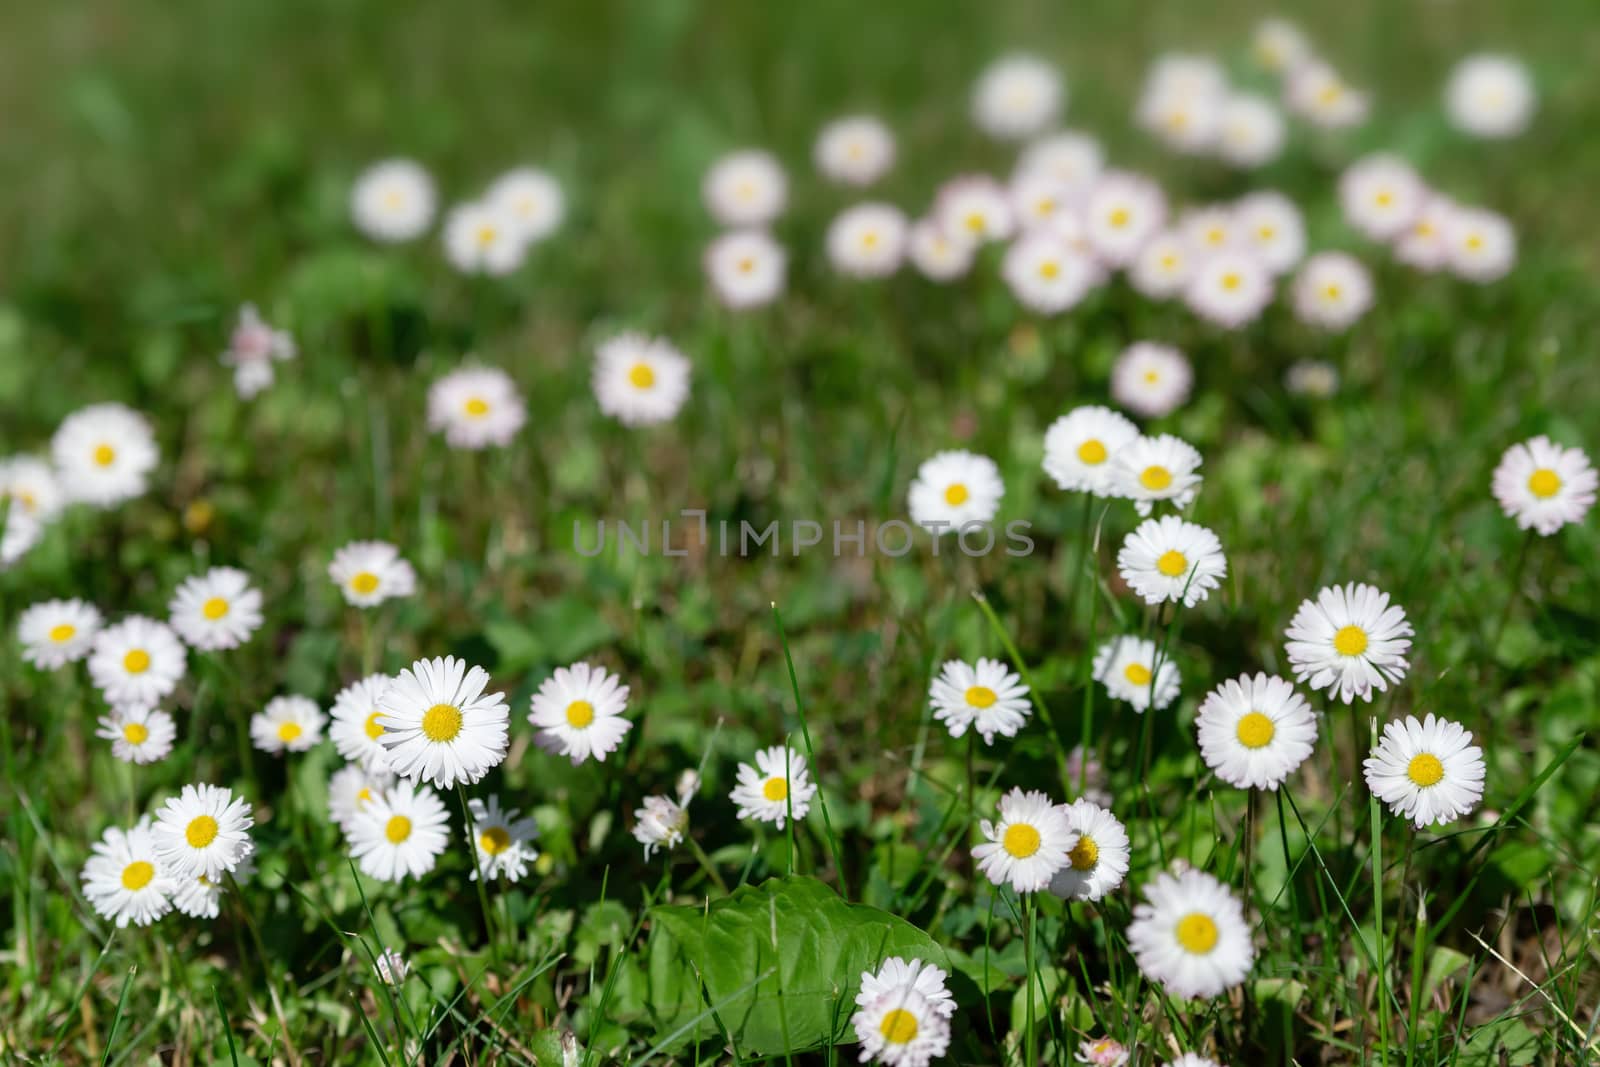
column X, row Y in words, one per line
column 167, row 162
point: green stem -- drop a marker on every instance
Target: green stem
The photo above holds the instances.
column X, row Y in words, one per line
column 477, row 868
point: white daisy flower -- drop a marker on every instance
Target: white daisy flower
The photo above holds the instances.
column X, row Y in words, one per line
column 746, row 268
column 350, row 789
column 1544, row 486
column 940, row 256
column 1230, row 289
column 1349, row 641
column 1151, row 469
column 531, row 199
column 476, row 407
column 18, row 535
column 1489, row 96
column 578, row 712
column 1381, row 195
column 401, row 831
column 1181, row 103
column 1280, row 46
column 104, row 454
column 1079, row 446
column 1425, row 243
column 1312, row 377
column 54, row 633
column 856, row 150
column 504, row 841
column 1017, row 97
column 1067, row 227
column 1163, row 267
column 1192, row 1059
column 1190, row 935
column 357, row 728
column 390, row 967
column 776, row 787
column 1317, row 93
column 483, row 238
column 136, row 661
column 661, row 823
column 1254, row 731
column 1168, row 559
column 896, row 975
column 953, row 490
column 1073, row 160
column 1429, row 771
column 1271, row 226
column 1481, row 245
column 216, row 610
column 30, row 484
column 1045, row 275
column 124, row 880
column 370, row 572
column 438, row 724
column 640, row 380
column 1250, row 130
column 137, row 734
column 901, row 1029
column 975, row 205
column 201, row 897
column 393, row 201
column 745, row 188
column 1028, row 845
column 203, row 830
column 1122, row 212
column 1098, row 862
column 1214, row 228
column 1186, row 75
column 1102, row 1052
column 1127, row 665
column 985, row 696
column 287, row 724
column 1083, row 767
column 1332, row 290
column 1038, row 199
column 253, row 346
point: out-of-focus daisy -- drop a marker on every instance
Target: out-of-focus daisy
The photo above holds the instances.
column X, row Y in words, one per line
column 1126, row 667
column 440, row 726
column 746, row 268
column 1425, row 243
column 940, row 256
column 660, row 823
column 984, row 696
column 104, row 454
column 1190, row 935
column 1163, row 267
column 1098, row 861
column 124, row 880
column 1210, row 229
column 1079, row 446
column 1254, row 731
column 54, row 633
column 1250, row 130
column 1082, row 767
column 203, row 830
column 18, row 535
column 1312, row 377
column 1151, row 379
column 1151, row 469
column 350, row 789
column 137, row 734
column 1544, row 486
column 476, row 407
column 357, row 729
column 136, row 661
column 1381, row 195
column 1029, row 843
column 900, row 1029
column 1270, row 225
column 390, row 967
column 1181, row 103
column 1280, row 46
column 30, row 485
column 777, row 786
column 252, row 348
column 1192, row 1059
column 1317, row 93
column 1073, row 160
column 1045, row 275
column 975, row 205
column 1489, row 96
column 1230, row 289
column 1349, row 641
column 393, row 201
column 1122, row 212
column 287, row 724
column 1429, row 771
column 531, row 199
column 1017, row 97
column 216, row 610
column 1168, row 559
column 745, row 188
column 856, row 150
column 402, row 831
column 954, row 489
column 504, row 842
column 201, row 897
column 370, row 572
column 483, row 238
column 639, row 380
column 1102, row 1052
column 1332, row 290
column 1038, row 199
column 1481, row 245
column 578, row 712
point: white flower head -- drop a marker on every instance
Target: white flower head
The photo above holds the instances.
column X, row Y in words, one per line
column 661, row 823
column 104, row 454
column 975, row 205
column 897, row 975
column 1163, row 267
column 30, row 484
column 1480, row 245
column 1311, row 377
column 504, row 841
column 746, row 268
column 216, row 610
column 867, row 240
column 138, row 734
column 1381, row 195
column 1080, row 445
column 18, row 535
column 1231, row 289
column 1017, row 97
column 1074, row 160
column 856, row 150
column 137, row 661
column 350, row 789
column 778, row 786
column 253, row 347
column 1098, row 862
column 1269, row 224
column 390, row 967
column 1250, row 130
column 1127, row 667
column 1349, row 641
column 640, row 380
column 984, row 696
column 745, row 188
column 1317, row 93
column 1429, row 772
column 125, row 880
column 939, row 255
column 440, row 726
column 955, row 489
column 1332, row 290
column 1190, row 935
column 54, row 633
column 484, row 238
column 1122, row 212
column 1192, row 1059
column 205, row 829
column 1545, row 486
column 1280, row 46
column 1045, row 275
column 1254, row 731
column 1181, row 102
column 393, row 201
column 357, row 729
column 1169, row 559
column 402, row 831
column 1490, row 96
column 1210, row 229
column 287, row 724
column 370, row 572
column 531, row 199
column 476, row 407
column 1425, row 244
column 1038, row 198
column 578, row 712
column 1102, row 1052
column 1029, row 843
column 901, row 1029
column 1148, row 470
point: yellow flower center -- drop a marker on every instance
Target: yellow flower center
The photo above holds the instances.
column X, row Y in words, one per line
column 1216, row 235
column 374, row 728
column 580, row 713
column 1020, row 840
column 1151, row 377
column 486, row 236
column 1137, row 673
column 476, row 407
column 1474, row 242
column 137, row 661
column 1197, row 933
column 215, row 608
column 1330, row 95
column 975, row 221
column 137, row 875
column 1169, row 261
column 1544, row 483
column 442, row 722
column 641, row 376
column 898, row 1027
column 364, row 583
column 746, row 265
column 1119, row 217
column 1266, row 233
column 289, row 731
column 956, row 494
column 363, row 796
column 397, row 829
column 1423, row 229
column 775, row 789
column 1155, row 477
column 135, row 733
column 494, row 840
column 1330, row 292
column 1172, row 563
column 1049, row 269
column 869, row 240
column 980, row 696
column 104, row 455
column 1255, row 730
column 1231, row 281
column 1425, row 769
column 62, row 632
column 1350, row 641
column 1085, row 854
column 1384, row 198
column 1092, row 452
column 201, row 831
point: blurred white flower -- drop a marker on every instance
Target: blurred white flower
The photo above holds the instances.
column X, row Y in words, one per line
column 867, row 241
column 1481, row 245
column 640, row 380
column 857, row 150
column 1490, row 96
column 393, row 201
column 1317, row 93
column 483, row 238
column 746, row 268
column 1149, row 379
column 745, row 188
column 1381, row 195
column 1017, row 97
column 476, row 407
column 531, row 199
column 1332, row 290
column 104, row 454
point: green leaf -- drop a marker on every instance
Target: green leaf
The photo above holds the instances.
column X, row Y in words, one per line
column 1506, row 1042
column 781, row 964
